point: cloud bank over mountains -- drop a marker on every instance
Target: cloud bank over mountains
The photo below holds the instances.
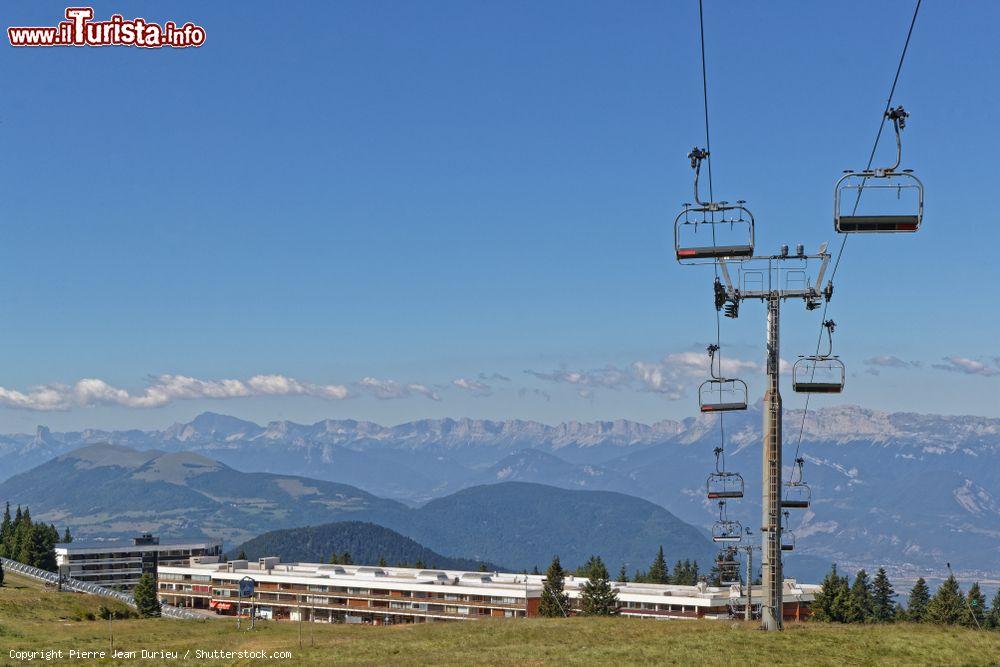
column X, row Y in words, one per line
column 672, row 378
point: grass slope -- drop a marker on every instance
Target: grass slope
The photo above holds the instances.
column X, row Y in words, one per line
column 35, row 619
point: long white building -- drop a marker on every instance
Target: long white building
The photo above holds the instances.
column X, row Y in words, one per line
column 388, row 595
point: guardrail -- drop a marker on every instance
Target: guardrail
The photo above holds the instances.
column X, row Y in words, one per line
column 69, row 583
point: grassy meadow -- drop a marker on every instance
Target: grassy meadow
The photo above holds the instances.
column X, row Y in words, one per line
column 33, row 618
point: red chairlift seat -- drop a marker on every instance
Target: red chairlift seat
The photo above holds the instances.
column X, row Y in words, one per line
column 722, row 395
column 724, row 485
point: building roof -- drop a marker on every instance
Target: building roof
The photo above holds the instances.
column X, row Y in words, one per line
column 461, row 581
column 126, row 544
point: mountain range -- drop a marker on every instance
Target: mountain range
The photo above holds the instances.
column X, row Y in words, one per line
column 899, row 489
column 114, row 491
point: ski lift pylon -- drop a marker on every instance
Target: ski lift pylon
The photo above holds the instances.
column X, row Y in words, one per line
column 880, row 184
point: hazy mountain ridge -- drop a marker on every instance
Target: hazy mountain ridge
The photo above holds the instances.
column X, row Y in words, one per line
column 113, row 491
column 902, row 487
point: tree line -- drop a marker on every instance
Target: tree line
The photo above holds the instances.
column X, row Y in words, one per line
column 29, row 542
column 874, row 601
column 598, row 597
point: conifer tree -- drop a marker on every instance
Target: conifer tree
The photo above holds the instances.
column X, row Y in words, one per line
column 975, row 607
column 993, row 616
column 146, row 601
column 884, row 609
column 947, row 607
column 598, row 597
column 334, row 559
column 6, row 532
column 860, row 607
column 555, row 601
column 382, row 563
column 535, row 570
column 242, row 555
column 622, row 575
column 658, row 570
column 345, row 558
column 67, row 537
column 920, row 597
column 831, row 601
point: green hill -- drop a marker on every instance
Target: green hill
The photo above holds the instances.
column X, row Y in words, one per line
column 110, row 490
column 523, row 525
column 366, row 542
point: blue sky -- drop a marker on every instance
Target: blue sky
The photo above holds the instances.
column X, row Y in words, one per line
column 425, row 193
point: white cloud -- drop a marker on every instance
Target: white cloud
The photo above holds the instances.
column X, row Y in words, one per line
column 890, row 361
column 668, row 377
column 968, row 366
column 474, row 386
column 162, row 390
column 390, row 389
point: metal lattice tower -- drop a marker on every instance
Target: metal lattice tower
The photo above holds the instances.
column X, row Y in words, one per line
column 784, row 278
column 770, row 522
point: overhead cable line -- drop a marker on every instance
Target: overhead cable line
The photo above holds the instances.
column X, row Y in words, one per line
column 711, row 198
column 857, row 201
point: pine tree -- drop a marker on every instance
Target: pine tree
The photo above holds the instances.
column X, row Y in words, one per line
column 861, row 604
column 345, row 558
column 993, row 616
column 622, row 575
column 884, row 610
column 555, row 601
column 6, row 533
column 947, row 607
column 334, row 559
column 598, row 597
column 658, row 570
column 22, row 538
column 975, row 607
column 145, row 597
column 382, row 563
column 67, row 537
column 535, row 570
column 242, row 555
column 920, row 597
column 831, row 601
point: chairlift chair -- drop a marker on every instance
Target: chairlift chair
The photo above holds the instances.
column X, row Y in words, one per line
column 797, row 494
column 787, row 537
column 723, row 484
column 726, row 529
column 718, row 393
column 727, row 229
column 727, row 564
column 820, row 373
column 880, row 184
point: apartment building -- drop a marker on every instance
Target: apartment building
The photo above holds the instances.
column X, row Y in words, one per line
column 120, row 563
column 389, row 595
